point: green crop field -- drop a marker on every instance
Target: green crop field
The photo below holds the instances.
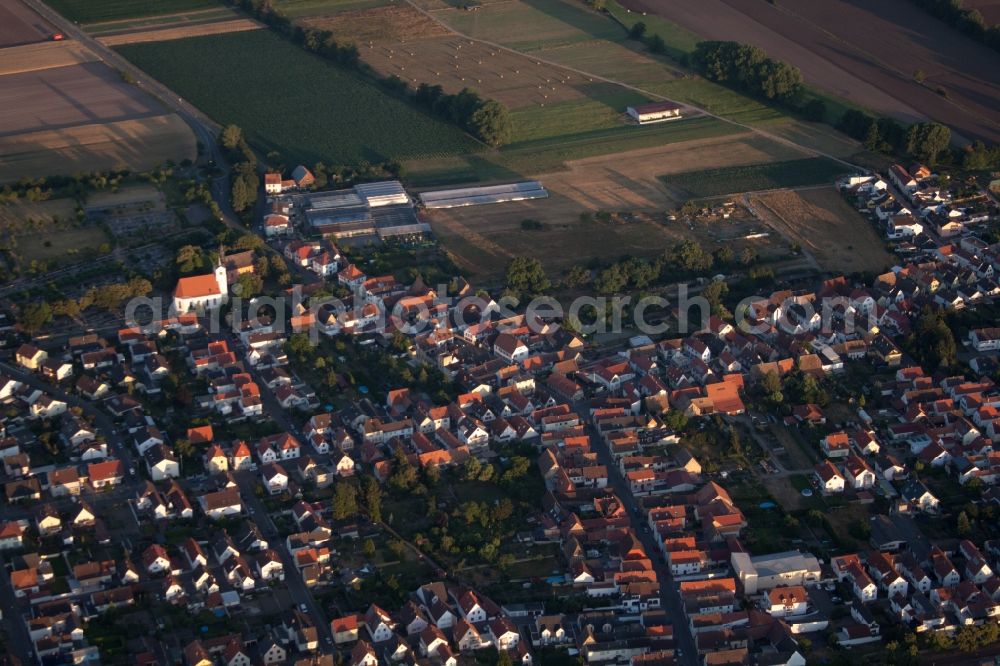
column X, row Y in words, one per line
column 603, row 108
column 297, row 104
column 92, row 11
column 754, row 177
column 527, row 25
column 303, row 8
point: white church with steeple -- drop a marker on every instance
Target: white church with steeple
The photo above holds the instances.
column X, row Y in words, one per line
column 199, row 293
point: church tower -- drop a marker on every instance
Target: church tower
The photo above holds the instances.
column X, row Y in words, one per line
column 221, row 276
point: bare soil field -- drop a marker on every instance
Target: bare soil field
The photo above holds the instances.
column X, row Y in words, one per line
column 180, row 32
column 138, row 144
column 45, row 55
column 825, row 225
column 19, row 24
column 62, row 97
column 864, row 53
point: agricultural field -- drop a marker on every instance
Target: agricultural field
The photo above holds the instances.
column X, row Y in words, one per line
column 179, row 32
column 753, row 177
column 552, row 155
column 864, row 54
column 531, row 26
column 66, row 113
column 295, row 9
column 484, row 239
column 94, row 11
column 289, row 101
column 88, row 93
column 45, row 55
column 19, row 24
column 135, row 144
column 821, row 222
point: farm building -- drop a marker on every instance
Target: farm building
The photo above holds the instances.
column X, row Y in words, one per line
column 369, row 212
column 654, row 112
column 477, row 196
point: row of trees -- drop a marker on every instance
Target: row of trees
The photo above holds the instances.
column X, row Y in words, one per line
column 486, row 119
column 968, row 21
column 246, row 182
column 747, row 68
column 923, row 141
column 109, row 297
column 685, row 259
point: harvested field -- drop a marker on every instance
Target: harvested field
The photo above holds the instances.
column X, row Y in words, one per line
column 288, row 100
column 826, row 226
column 864, row 53
column 455, row 63
column 180, row 32
column 19, row 24
column 45, row 55
column 753, row 177
column 137, row 144
column 63, row 97
column 93, row 11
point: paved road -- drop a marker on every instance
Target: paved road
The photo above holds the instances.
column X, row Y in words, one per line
column 293, row 579
column 669, row 597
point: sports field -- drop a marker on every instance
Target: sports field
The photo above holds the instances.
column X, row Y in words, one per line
column 289, row 101
column 92, row 11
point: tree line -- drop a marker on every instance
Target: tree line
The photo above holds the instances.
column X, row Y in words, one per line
column 967, row 21
column 245, row 181
column 747, row 68
column 928, row 142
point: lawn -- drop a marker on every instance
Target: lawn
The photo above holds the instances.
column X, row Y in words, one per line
column 297, row 104
column 755, row 177
column 92, row 11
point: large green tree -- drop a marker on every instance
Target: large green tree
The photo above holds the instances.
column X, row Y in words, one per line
column 926, row 141
column 491, row 122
